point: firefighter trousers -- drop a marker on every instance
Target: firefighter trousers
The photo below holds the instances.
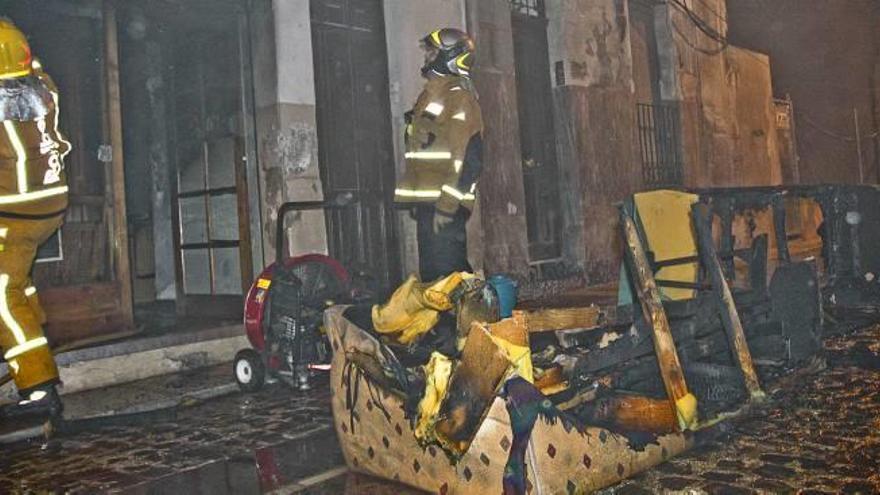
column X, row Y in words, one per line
column 25, row 348
column 444, row 252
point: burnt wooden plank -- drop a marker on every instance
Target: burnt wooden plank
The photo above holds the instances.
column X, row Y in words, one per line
column 474, row 382
column 636, row 343
column 779, row 229
column 552, row 319
column 630, row 412
column 652, row 308
column 726, row 306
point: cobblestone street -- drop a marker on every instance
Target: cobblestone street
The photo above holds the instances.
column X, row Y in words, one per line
column 819, row 434
column 234, row 433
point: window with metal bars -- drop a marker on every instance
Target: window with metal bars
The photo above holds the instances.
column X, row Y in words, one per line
column 532, row 8
column 660, row 145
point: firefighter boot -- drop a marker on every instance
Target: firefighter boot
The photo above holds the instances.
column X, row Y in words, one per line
column 39, row 402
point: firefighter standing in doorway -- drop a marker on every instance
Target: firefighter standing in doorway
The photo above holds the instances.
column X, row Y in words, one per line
column 33, row 198
column 443, row 154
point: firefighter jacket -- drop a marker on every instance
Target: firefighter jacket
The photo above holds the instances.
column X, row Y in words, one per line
column 443, row 146
column 32, row 149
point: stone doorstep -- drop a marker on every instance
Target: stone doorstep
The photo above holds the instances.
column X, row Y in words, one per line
column 139, row 358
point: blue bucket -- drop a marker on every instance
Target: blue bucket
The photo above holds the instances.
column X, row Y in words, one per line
column 506, row 289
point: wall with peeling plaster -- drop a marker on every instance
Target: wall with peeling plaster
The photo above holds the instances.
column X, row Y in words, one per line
column 725, row 97
column 591, row 37
column 590, row 53
column 727, row 118
column 287, row 140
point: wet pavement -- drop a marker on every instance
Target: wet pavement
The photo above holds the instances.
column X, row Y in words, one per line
column 819, row 434
column 235, row 444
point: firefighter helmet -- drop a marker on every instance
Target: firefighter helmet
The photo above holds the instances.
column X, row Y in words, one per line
column 451, row 52
column 15, row 53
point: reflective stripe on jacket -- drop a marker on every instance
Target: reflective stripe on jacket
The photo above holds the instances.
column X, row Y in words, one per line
column 32, row 179
column 443, row 146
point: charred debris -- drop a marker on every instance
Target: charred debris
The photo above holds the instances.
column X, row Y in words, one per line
column 703, row 316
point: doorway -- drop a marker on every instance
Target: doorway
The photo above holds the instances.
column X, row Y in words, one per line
column 354, row 133
column 78, row 273
column 210, row 200
column 187, row 134
column 537, row 136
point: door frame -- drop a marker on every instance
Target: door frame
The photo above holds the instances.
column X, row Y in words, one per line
column 529, row 17
column 370, row 204
column 244, row 154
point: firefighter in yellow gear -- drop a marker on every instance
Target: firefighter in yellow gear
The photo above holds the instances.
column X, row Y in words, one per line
column 33, row 198
column 443, row 154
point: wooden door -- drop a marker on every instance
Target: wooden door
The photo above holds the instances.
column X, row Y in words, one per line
column 210, row 194
column 81, row 274
column 354, row 132
column 537, row 137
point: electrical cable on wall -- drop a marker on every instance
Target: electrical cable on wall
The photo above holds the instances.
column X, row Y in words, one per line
column 692, row 45
column 700, row 23
column 712, row 11
column 706, row 29
column 703, row 26
column 718, row 37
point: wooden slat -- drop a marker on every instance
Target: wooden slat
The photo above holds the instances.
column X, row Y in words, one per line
column 87, row 199
column 729, row 315
column 85, row 258
column 655, row 315
column 552, row 319
column 246, row 261
column 114, row 117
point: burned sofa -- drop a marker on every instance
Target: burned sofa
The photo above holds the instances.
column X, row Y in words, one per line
column 572, row 394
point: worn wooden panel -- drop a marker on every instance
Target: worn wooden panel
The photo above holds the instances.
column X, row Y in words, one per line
column 83, row 311
column 85, row 257
column 119, row 234
column 471, row 389
column 354, row 132
column 552, row 319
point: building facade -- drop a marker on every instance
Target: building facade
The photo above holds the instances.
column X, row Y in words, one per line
column 224, row 110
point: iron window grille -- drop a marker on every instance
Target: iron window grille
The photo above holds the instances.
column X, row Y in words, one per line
column 531, row 8
column 660, row 145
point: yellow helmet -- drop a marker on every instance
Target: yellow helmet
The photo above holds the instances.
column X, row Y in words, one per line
column 15, row 53
column 455, row 52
